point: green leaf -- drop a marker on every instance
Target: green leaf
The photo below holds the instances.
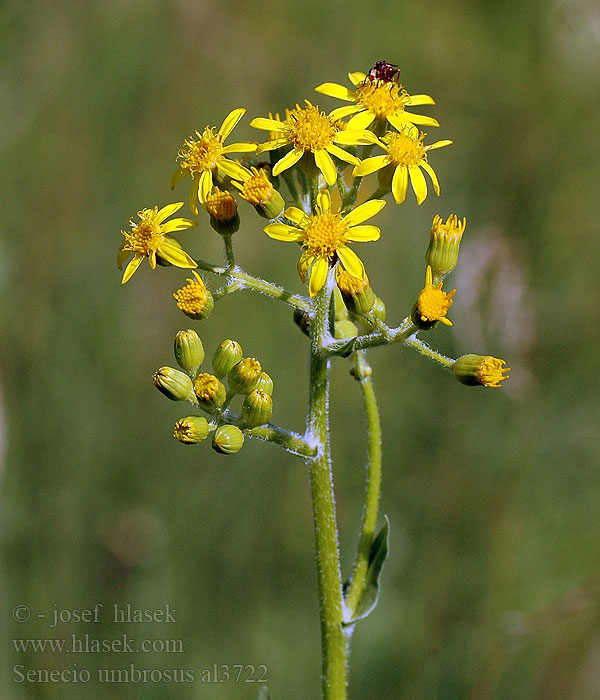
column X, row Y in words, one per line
column 370, row 594
column 263, row 693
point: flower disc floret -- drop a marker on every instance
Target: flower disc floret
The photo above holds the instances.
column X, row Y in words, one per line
column 376, row 99
column 406, row 155
column 150, row 238
column 309, row 130
column 325, row 236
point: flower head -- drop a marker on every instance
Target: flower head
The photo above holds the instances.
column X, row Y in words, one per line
column 405, row 154
column 480, row 370
column 325, row 236
column 205, row 156
column 309, row 130
column 149, row 237
column 257, row 189
column 432, row 304
column 194, row 299
column 372, row 99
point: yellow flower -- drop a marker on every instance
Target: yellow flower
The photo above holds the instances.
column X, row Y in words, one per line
column 376, row 99
column 194, row 299
column 324, row 237
column 310, row 130
column 432, row 303
column 205, row 156
column 406, row 154
column 149, row 238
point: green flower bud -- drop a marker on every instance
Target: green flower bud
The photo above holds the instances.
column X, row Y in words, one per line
column 480, row 370
column 257, row 408
column 228, row 354
column 175, row 385
column 344, row 330
column 191, row 430
column 222, row 208
column 442, row 253
column 264, row 383
column 356, row 293
column 189, row 351
column 210, row 391
column 379, row 309
column 341, row 312
column 244, row 376
column 228, row 439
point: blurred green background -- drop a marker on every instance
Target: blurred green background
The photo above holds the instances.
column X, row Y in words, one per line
column 492, row 587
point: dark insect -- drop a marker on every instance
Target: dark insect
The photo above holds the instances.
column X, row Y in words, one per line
column 384, row 71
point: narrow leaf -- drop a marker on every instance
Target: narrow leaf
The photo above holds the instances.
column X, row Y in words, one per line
column 370, row 595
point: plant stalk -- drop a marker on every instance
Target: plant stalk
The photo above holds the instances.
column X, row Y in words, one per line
column 333, row 637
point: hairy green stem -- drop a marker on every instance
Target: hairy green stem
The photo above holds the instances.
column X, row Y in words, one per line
column 363, row 372
column 424, row 349
column 293, row 443
column 244, row 280
column 333, row 636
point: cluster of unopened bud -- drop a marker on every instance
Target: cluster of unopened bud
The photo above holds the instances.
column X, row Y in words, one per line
column 243, row 375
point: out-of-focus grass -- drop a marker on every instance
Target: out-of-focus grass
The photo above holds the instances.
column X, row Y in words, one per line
column 491, row 588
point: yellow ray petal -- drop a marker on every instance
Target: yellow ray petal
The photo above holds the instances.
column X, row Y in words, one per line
column 240, row 147
column 131, row 268
column 288, row 160
column 370, row 165
column 267, row 124
column 272, row 145
column 179, row 175
column 357, row 77
column 335, row 90
column 400, row 183
column 433, row 176
column 362, row 120
column 356, row 137
column 400, row 120
column 364, row 211
column 122, row 255
column 352, row 262
column 282, row 232
column 326, row 166
column 363, row 234
column 342, row 155
column 417, row 100
column 194, row 195
column 231, row 169
column 324, row 202
column 438, row 144
column 294, row 214
column 343, row 112
column 417, row 180
column 204, row 186
column 170, row 249
column 166, row 212
column 318, row 275
column 230, row 121
column 178, row 225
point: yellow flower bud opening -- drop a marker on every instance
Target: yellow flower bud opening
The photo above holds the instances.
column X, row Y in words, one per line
column 194, row 299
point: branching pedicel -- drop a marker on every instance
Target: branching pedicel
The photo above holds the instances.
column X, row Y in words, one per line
column 312, row 153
